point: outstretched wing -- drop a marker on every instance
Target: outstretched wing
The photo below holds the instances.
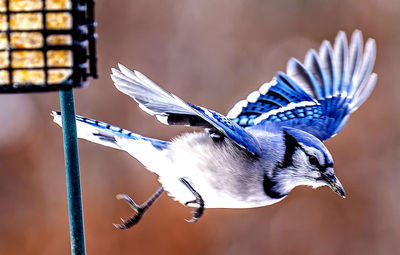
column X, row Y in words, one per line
column 171, row 110
column 316, row 97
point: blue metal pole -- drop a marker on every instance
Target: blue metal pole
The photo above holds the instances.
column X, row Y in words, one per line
column 72, row 172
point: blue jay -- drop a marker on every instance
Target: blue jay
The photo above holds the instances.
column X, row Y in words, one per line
column 266, row 145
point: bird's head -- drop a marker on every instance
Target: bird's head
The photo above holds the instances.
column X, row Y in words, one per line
column 306, row 161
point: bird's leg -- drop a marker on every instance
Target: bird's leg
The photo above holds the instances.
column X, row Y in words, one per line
column 198, row 212
column 139, row 209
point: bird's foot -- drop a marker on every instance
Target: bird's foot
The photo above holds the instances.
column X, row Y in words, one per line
column 134, row 219
column 198, row 212
column 139, row 209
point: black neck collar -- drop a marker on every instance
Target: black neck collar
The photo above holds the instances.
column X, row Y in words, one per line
column 268, row 188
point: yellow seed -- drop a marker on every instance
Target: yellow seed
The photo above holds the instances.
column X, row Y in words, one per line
column 59, row 40
column 2, row 5
column 3, row 41
column 26, row 40
column 58, row 20
column 4, row 59
column 27, row 59
column 4, row 77
column 58, row 75
column 25, row 5
column 28, row 76
column 59, row 58
column 3, row 22
column 58, row 4
column 25, row 21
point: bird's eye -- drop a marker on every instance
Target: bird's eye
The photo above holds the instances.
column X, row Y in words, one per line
column 313, row 160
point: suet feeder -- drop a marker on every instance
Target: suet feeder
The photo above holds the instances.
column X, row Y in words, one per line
column 46, row 45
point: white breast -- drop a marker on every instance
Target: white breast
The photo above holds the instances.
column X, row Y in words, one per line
column 221, row 173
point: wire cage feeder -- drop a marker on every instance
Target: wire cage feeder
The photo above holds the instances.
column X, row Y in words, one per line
column 46, row 45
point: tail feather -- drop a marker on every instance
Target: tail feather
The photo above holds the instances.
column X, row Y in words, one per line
column 140, row 147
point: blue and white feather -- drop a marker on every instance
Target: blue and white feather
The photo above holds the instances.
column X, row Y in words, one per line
column 316, row 96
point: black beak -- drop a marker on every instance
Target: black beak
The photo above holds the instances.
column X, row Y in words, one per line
column 334, row 184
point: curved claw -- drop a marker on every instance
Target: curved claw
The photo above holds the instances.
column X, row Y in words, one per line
column 139, row 209
column 129, row 222
column 129, row 200
column 134, row 219
column 197, row 213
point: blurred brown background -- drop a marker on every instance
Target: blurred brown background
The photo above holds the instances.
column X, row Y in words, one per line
column 211, row 53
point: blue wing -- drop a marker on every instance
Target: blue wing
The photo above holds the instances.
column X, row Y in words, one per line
column 171, row 110
column 316, row 97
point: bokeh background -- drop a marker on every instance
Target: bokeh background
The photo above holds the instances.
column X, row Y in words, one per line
column 211, row 53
